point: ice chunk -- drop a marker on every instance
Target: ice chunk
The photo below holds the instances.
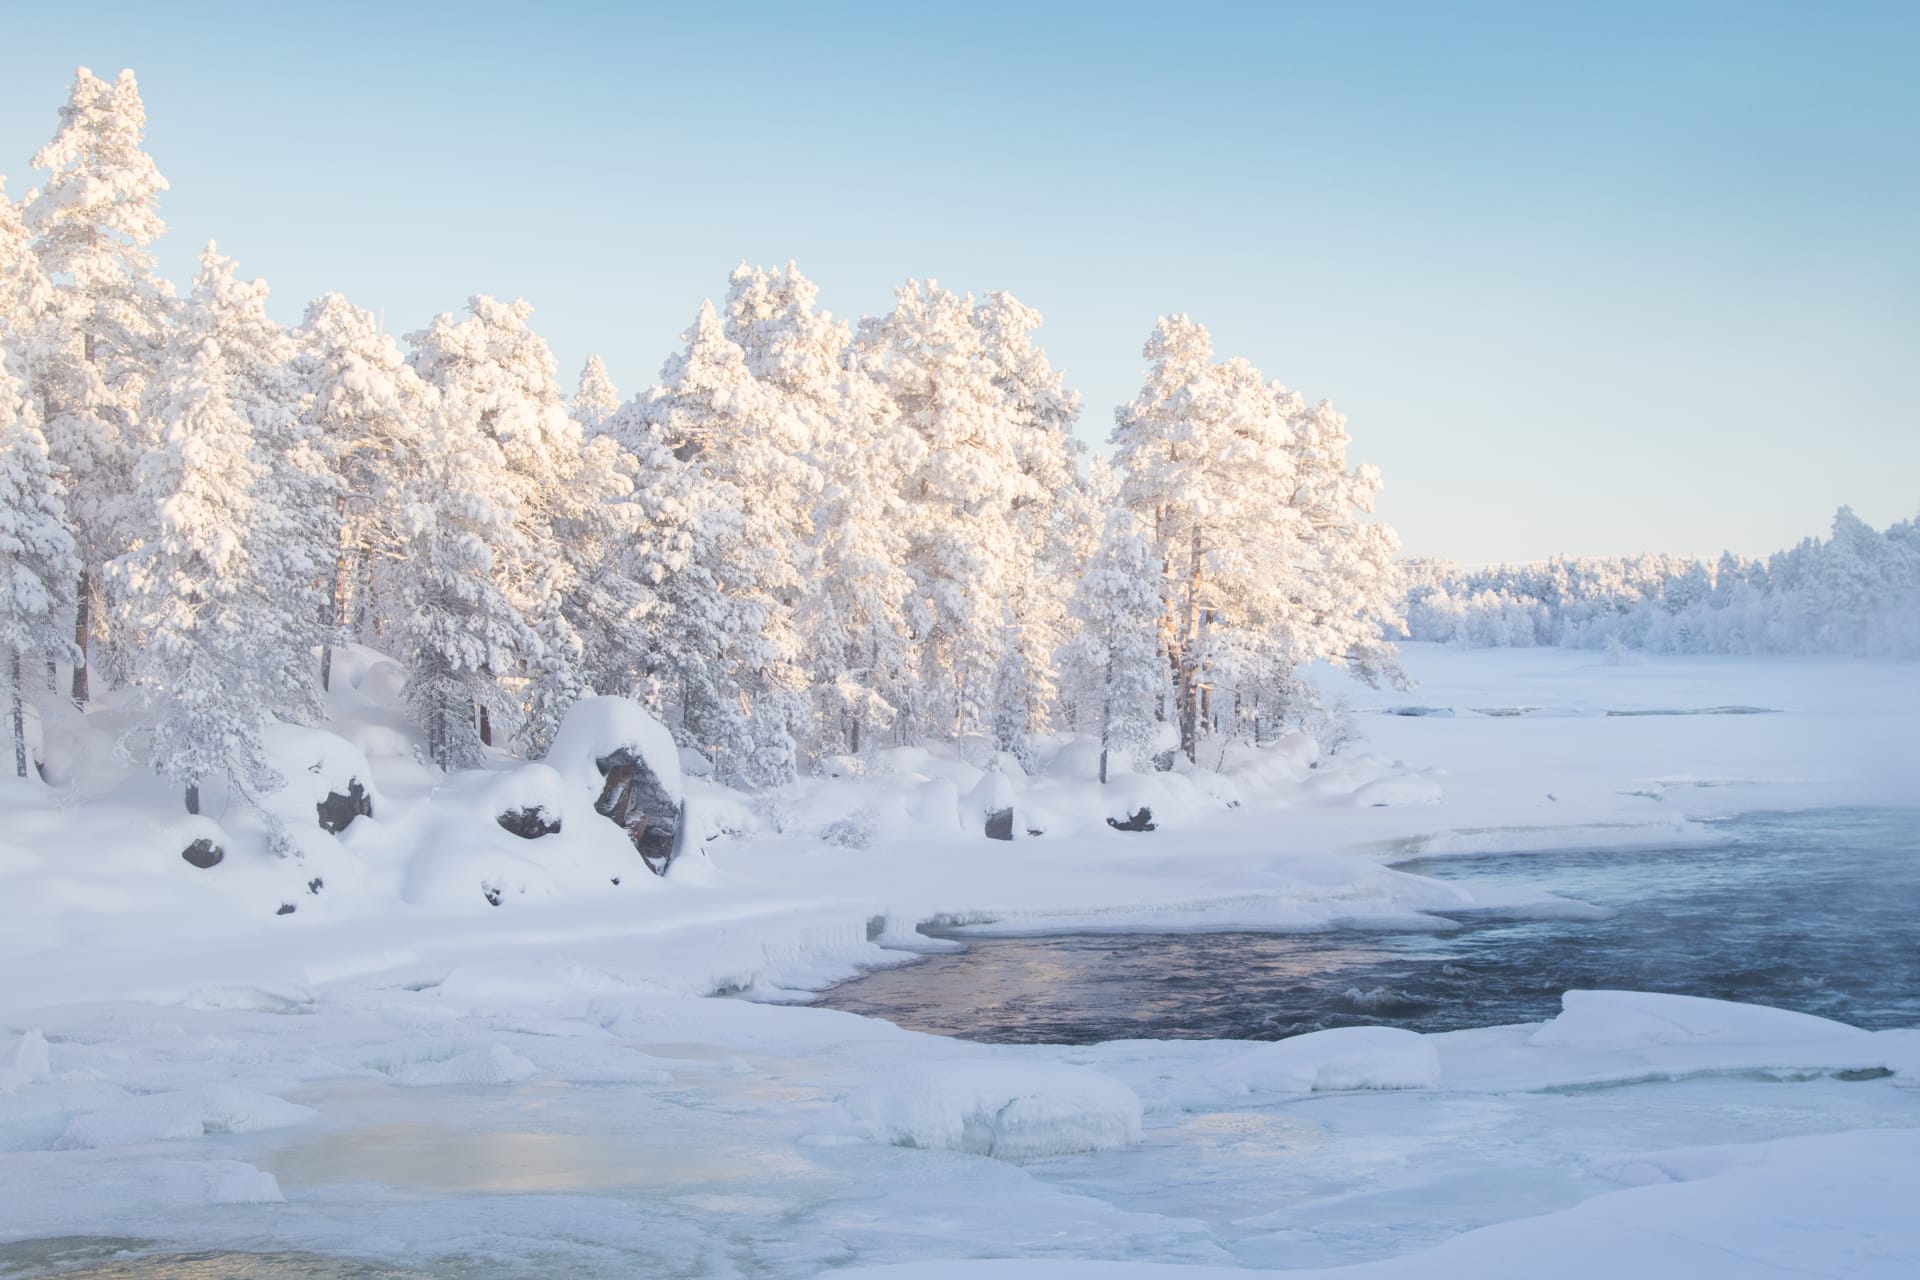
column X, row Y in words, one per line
column 1007, row 1110
column 184, row 1114
column 30, row 1056
column 1636, row 1019
column 495, row 1064
column 1342, row 1058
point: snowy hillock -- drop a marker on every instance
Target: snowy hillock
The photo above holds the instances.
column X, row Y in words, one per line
column 359, row 820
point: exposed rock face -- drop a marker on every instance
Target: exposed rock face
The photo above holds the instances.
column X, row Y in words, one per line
column 286, row 909
column 203, row 853
column 1140, row 819
column 634, row 799
column 529, row 822
column 338, row 811
column 1000, row 824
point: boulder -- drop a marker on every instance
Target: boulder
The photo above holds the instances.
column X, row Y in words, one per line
column 530, row 822
column 203, row 853
column 1140, row 819
column 634, row 799
column 339, row 809
column 1000, row 824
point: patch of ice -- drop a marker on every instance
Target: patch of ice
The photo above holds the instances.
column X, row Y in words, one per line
column 1618, row 1020
column 1001, row 1109
column 1338, row 1059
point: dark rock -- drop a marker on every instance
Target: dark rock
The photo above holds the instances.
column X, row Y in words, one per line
column 634, row 800
column 316, row 884
column 616, row 879
column 1140, row 819
column 286, row 909
column 530, row 822
column 1000, row 824
column 338, row 811
column 492, row 893
column 1035, row 831
column 203, row 853
column 1164, row 761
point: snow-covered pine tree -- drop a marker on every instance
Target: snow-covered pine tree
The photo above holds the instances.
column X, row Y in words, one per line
column 964, row 550
column 292, row 537
column 1267, row 562
column 189, row 587
column 1114, row 657
column 595, row 400
column 852, row 619
column 500, row 402
column 39, row 562
column 109, row 314
column 453, row 624
column 1043, row 412
column 751, row 491
column 366, row 412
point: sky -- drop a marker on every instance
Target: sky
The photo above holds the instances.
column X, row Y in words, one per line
column 1587, row 279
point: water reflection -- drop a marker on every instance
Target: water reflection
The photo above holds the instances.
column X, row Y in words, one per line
column 115, row 1258
column 1808, row 911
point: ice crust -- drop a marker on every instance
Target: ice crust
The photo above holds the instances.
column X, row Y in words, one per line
column 999, row 1109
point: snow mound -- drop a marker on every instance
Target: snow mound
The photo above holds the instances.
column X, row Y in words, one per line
column 1341, row 1058
column 1006, row 1110
column 496, row 1064
column 1620, row 1020
column 596, row 727
column 184, row 1114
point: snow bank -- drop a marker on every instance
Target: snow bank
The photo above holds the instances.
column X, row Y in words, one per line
column 1341, row 1058
column 596, row 727
column 1619, row 1020
column 1001, row 1109
column 193, row 1113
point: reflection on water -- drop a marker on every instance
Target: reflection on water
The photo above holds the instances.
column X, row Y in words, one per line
column 113, row 1258
column 430, row 1157
column 1811, row 911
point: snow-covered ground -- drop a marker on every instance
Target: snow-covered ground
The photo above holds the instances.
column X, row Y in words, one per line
column 400, row 1070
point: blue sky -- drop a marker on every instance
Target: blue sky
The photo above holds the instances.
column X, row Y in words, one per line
column 1587, row 279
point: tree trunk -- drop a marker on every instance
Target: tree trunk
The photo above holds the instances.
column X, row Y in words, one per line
column 19, row 715
column 82, row 624
column 193, row 797
column 1189, row 673
column 486, row 727
column 342, row 585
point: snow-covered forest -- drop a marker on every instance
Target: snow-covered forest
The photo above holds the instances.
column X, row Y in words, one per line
column 1856, row 593
column 808, row 538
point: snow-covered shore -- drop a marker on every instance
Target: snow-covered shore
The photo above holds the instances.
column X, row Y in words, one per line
column 399, row 1069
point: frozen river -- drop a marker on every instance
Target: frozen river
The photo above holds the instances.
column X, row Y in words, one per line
column 1807, row 911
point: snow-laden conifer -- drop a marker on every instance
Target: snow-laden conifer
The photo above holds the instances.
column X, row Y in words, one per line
column 1114, row 657
column 108, row 315
column 189, row 588
column 852, row 618
column 291, row 536
column 964, row 482
column 595, row 400
column 366, row 412
column 39, row 561
column 751, row 491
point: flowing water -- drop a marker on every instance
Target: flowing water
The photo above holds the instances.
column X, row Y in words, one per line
column 1818, row 912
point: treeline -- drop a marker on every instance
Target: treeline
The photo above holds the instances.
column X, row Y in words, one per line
column 807, row 539
column 1854, row 593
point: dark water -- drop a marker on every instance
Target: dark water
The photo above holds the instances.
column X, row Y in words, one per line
column 1818, row 912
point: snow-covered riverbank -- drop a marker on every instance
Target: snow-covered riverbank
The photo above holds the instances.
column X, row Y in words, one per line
column 415, row 1075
